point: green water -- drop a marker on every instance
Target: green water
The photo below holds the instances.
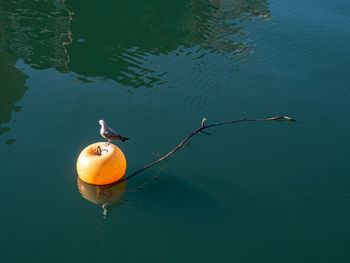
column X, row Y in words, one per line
column 250, row 192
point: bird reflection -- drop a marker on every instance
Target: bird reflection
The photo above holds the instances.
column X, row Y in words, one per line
column 108, row 196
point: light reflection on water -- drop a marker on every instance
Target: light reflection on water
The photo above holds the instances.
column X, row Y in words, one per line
column 42, row 38
column 108, row 196
column 133, row 50
column 128, row 46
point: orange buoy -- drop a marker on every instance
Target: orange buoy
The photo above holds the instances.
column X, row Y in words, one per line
column 102, row 168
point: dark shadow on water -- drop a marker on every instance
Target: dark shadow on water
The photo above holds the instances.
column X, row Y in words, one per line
column 126, row 36
column 117, row 39
column 158, row 188
column 33, row 32
column 12, row 88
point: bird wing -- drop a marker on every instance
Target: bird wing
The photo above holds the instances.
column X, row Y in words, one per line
column 111, row 134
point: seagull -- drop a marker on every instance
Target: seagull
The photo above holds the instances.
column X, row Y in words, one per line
column 110, row 134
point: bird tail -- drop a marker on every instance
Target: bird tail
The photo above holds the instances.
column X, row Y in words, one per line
column 124, row 139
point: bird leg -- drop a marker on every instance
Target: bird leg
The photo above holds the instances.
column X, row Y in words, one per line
column 107, row 143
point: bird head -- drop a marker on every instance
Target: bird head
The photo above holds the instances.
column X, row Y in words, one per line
column 102, row 123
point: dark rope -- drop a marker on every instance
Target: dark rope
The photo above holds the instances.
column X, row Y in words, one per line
column 98, row 150
column 182, row 143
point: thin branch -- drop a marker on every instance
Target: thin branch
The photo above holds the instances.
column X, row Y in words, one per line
column 203, row 121
column 182, row 143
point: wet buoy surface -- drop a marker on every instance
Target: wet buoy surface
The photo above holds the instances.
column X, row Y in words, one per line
column 105, row 168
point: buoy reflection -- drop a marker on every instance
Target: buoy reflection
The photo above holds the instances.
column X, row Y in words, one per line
column 108, row 196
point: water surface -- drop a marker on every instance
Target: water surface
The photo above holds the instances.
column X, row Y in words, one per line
column 250, row 192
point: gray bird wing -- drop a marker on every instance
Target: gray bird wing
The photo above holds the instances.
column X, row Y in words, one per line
column 111, row 134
